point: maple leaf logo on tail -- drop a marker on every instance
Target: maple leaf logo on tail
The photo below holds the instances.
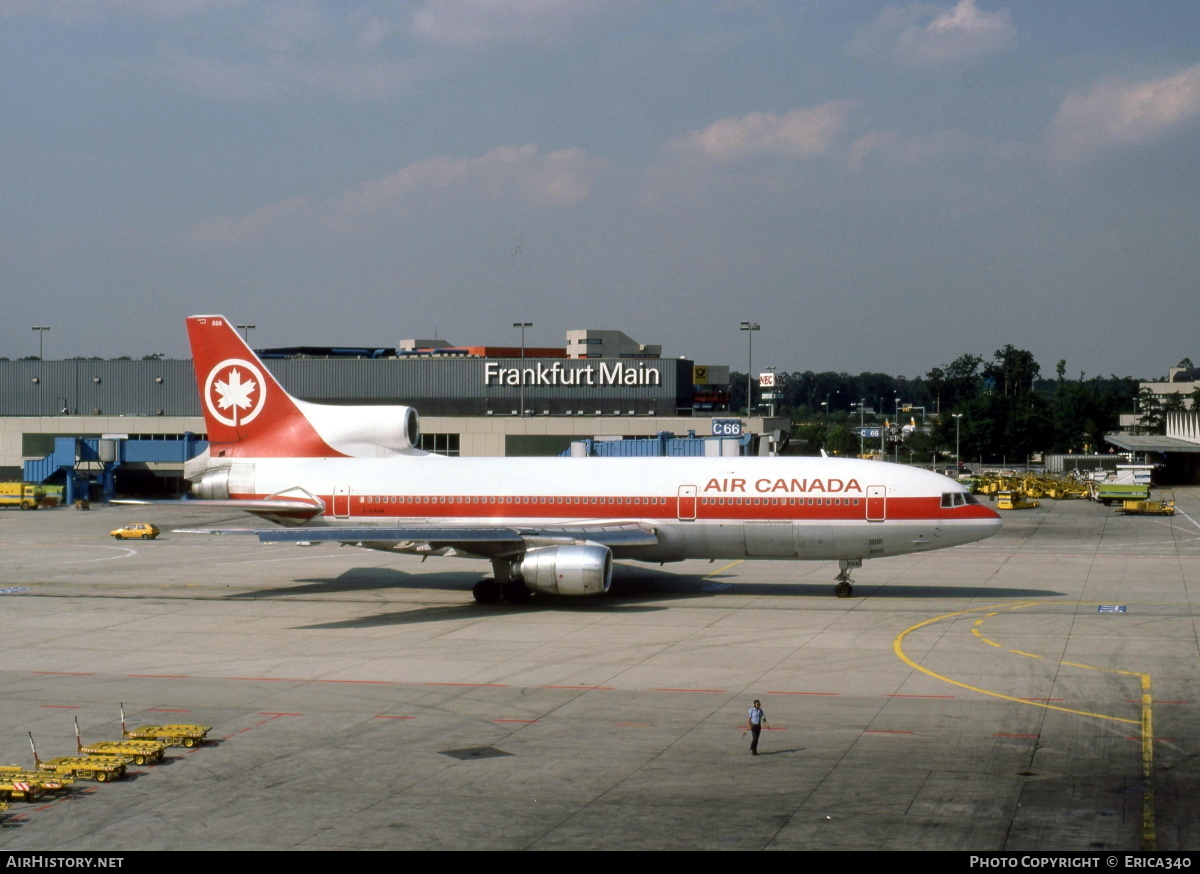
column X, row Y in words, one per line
column 235, row 392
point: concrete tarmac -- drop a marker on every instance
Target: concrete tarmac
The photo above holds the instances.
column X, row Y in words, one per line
column 1037, row 691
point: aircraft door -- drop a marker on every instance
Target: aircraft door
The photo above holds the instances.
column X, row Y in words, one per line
column 876, row 503
column 686, row 503
column 341, row 502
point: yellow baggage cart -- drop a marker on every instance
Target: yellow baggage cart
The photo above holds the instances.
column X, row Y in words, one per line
column 102, row 769
column 175, row 735
column 143, row 752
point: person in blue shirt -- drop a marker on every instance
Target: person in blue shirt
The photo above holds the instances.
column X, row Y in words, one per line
column 755, row 720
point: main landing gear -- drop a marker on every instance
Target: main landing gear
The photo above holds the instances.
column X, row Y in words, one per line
column 845, row 585
column 488, row 591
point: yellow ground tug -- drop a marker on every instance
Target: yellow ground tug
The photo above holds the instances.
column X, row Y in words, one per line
column 1011, row 499
column 102, row 769
column 1163, row 507
column 143, row 752
column 177, row 735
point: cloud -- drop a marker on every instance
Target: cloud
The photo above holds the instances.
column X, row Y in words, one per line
column 923, row 35
column 476, row 23
column 222, row 231
column 801, row 133
column 75, row 11
column 1115, row 114
column 890, row 147
column 291, row 46
column 520, row 174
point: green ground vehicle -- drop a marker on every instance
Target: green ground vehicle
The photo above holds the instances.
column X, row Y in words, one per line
column 1131, row 482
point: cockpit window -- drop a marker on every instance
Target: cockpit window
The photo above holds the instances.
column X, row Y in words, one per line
column 956, row 499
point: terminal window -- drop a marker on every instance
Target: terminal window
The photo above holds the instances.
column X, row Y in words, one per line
column 440, row 444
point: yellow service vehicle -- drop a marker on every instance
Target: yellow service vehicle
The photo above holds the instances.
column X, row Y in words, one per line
column 102, row 769
column 1165, row 507
column 16, row 789
column 1010, row 499
column 177, row 735
column 143, row 752
column 47, row 782
column 27, row 496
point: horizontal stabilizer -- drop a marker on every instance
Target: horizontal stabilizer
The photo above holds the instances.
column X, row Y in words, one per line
column 291, row 507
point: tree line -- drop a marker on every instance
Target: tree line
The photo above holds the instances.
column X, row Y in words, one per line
column 994, row 409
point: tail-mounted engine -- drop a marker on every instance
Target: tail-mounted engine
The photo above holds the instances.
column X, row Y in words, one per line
column 365, row 432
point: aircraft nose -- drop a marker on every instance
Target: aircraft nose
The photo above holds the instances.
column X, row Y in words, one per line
column 990, row 524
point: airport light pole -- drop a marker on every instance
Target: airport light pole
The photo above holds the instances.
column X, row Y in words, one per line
column 899, row 430
column 749, row 328
column 862, row 448
column 41, row 332
column 825, row 431
column 957, row 452
column 522, row 326
column 41, row 329
column 246, row 329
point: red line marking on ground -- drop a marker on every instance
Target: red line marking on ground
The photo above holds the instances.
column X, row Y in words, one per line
column 266, row 679
column 62, row 674
column 471, row 685
column 395, row 717
column 804, row 693
column 582, row 688
column 276, row 715
column 519, row 721
column 61, row 706
column 883, row 731
column 920, row 696
column 159, row 676
column 689, row 690
column 1002, row 734
column 365, row 682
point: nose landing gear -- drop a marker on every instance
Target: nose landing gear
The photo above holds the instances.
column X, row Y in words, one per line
column 845, row 586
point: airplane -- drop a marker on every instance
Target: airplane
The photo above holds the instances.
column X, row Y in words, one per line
column 355, row 475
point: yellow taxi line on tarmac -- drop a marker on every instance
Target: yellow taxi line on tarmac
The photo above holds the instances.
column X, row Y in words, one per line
column 722, row 570
column 1149, row 834
column 898, row 648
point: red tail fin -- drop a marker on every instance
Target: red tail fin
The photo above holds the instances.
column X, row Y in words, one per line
column 246, row 410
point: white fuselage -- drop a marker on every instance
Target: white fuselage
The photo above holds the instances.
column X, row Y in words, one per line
column 710, row 508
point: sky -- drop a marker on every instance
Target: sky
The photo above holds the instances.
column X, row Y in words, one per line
column 880, row 187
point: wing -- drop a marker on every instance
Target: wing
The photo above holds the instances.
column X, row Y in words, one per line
column 483, row 541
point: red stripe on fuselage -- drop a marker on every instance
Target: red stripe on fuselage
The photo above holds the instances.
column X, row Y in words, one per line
column 558, row 508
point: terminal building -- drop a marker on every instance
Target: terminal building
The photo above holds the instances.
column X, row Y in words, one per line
column 132, row 423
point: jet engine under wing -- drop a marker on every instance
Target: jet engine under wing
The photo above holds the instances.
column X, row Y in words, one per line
column 479, row 540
